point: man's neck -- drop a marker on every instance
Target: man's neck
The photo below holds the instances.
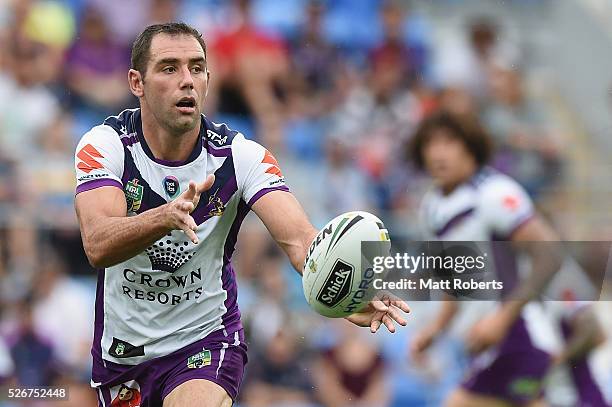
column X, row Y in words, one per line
column 166, row 145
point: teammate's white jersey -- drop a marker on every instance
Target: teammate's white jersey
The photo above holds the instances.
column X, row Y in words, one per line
column 175, row 292
column 491, row 206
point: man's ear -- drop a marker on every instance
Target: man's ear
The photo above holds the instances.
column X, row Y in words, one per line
column 136, row 83
column 207, row 82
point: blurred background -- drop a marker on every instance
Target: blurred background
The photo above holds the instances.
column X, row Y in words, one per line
column 334, row 89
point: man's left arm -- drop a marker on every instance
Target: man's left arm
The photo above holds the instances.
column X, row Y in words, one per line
column 286, row 221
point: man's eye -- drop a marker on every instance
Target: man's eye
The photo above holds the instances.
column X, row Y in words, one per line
column 169, row 69
column 196, row 69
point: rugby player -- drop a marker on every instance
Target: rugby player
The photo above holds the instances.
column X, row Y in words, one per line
column 161, row 193
column 473, row 202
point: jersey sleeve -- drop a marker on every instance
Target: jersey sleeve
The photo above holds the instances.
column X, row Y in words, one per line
column 257, row 171
column 506, row 206
column 98, row 160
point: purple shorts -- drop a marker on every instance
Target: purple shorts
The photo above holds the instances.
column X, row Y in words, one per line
column 218, row 358
column 514, row 372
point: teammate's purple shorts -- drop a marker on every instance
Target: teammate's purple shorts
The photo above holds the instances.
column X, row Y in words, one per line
column 218, row 358
column 513, row 372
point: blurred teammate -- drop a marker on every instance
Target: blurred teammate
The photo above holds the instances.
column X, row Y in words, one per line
column 472, row 202
column 167, row 327
column 582, row 334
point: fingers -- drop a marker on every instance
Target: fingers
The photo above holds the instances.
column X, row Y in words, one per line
column 195, row 190
column 379, row 305
column 376, row 322
column 189, row 226
column 191, row 191
column 187, row 206
column 386, row 319
column 208, row 182
column 401, row 305
column 395, row 314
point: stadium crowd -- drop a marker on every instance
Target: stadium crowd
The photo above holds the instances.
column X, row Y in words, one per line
column 333, row 88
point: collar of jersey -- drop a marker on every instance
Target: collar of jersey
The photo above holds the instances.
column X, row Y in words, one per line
column 195, row 153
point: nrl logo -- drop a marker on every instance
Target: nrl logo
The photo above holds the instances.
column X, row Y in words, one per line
column 133, row 195
column 199, row 360
column 217, row 205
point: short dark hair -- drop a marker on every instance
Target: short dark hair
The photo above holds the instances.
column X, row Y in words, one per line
column 464, row 127
column 142, row 45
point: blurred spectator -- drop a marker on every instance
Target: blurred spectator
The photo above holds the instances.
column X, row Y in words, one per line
column 124, row 19
column 394, row 50
column 95, row 71
column 163, row 11
column 35, row 364
column 61, row 302
column 250, row 73
column 467, row 63
column 48, row 182
column 345, row 188
column 269, row 314
column 528, row 145
column 315, row 68
column 281, row 376
column 351, row 373
column 6, row 363
column 37, row 110
column 314, row 61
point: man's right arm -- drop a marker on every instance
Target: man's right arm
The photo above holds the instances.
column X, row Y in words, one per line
column 110, row 237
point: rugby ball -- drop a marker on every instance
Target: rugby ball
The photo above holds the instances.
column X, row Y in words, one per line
column 335, row 285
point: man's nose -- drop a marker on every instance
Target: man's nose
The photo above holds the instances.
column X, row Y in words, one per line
column 186, row 78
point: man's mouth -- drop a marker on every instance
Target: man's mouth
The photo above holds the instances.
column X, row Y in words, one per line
column 186, row 105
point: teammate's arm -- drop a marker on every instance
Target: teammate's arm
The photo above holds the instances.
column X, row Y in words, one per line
column 424, row 338
column 587, row 335
column 546, row 259
column 110, row 237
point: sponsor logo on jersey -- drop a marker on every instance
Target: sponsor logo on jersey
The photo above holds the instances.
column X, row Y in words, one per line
column 199, row 360
column 217, row 205
column 275, row 168
column 126, row 395
column 511, row 202
column 133, row 195
column 212, row 136
column 338, row 284
column 122, row 349
column 171, row 186
column 88, row 155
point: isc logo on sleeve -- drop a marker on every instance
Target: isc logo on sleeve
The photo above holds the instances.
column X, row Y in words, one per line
column 88, row 155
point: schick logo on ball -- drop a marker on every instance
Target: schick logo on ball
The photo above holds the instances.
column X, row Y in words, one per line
column 338, row 284
column 171, row 186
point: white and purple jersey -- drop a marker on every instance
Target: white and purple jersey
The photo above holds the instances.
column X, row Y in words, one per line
column 174, row 293
column 490, row 206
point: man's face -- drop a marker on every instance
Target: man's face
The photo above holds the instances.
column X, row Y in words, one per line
column 176, row 81
column 447, row 159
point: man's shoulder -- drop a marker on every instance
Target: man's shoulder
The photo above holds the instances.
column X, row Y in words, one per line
column 122, row 123
column 220, row 135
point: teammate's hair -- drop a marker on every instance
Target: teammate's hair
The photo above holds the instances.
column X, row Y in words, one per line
column 142, row 45
column 463, row 127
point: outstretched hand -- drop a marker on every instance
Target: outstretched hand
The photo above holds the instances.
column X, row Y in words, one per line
column 385, row 309
column 178, row 211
